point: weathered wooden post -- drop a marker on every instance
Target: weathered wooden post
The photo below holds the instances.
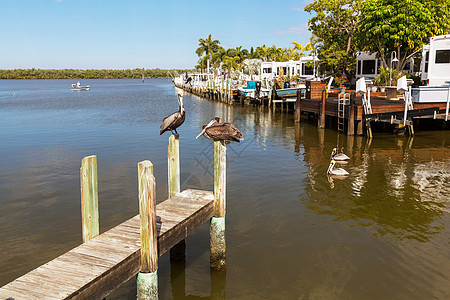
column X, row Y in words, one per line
column 298, row 107
column 89, row 198
column 173, row 156
column 351, row 115
column 322, row 110
column 147, row 279
column 217, row 229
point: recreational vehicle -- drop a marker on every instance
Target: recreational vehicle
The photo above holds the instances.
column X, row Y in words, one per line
column 368, row 65
column 435, row 71
column 301, row 68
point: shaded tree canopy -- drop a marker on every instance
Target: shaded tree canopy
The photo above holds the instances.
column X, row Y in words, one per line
column 335, row 33
column 403, row 26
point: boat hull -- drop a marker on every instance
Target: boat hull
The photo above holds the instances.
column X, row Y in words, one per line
column 81, row 88
column 289, row 92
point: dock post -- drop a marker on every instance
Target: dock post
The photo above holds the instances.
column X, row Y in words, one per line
column 351, row 115
column 89, row 198
column 173, row 156
column 217, row 228
column 147, row 279
column 322, row 110
column 369, row 129
column 298, row 107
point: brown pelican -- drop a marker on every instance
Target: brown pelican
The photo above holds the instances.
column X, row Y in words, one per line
column 337, row 171
column 215, row 130
column 338, row 156
column 175, row 120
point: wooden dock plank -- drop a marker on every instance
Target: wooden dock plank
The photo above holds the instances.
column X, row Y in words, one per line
column 95, row 268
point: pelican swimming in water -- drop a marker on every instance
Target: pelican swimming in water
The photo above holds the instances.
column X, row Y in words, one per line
column 175, row 120
column 338, row 156
column 215, row 130
column 337, row 171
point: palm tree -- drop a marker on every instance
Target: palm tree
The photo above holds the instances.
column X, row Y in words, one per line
column 292, row 54
column 263, row 52
column 301, row 49
column 231, row 63
column 207, row 46
column 241, row 53
column 276, row 54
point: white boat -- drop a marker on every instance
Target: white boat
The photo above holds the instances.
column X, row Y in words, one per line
column 76, row 87
column 250, row 90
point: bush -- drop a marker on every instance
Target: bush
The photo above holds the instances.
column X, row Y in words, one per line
column 382, row 79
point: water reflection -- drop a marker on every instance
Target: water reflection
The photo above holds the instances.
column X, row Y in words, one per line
column 400, row 186
column 289, row 235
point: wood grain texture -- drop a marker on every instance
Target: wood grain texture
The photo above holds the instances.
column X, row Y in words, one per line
column 89, row 198
column 220, row 178
column 95, row 268
column 173, row 156
column 147, row 214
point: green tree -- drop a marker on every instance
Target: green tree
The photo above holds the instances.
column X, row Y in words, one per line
column 335, row 30
column 263, row 52
column 403, row 26
column 207, row 46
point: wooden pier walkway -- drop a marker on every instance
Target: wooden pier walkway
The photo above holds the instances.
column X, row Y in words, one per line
column 97, row 267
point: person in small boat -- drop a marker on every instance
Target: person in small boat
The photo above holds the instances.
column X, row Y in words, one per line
column 78, row 84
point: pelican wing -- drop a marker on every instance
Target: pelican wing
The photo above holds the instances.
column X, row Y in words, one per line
column 224, row 131
column 170, row 121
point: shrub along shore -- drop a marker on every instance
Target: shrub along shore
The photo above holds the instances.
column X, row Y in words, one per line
column 89, row 73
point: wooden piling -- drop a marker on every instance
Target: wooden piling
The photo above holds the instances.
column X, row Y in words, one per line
column 217, row 229
column 298, row 107
column 173, row 155
column 322, row 110
column 147, row 279
column 89, row 198
column 351, row 115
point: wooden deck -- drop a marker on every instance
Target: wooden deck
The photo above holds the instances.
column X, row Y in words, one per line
column 95, row 268
column 379, row 105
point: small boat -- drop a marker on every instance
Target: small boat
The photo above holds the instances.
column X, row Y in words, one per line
column 249, row 90
column 76, row 87
column 291, row 92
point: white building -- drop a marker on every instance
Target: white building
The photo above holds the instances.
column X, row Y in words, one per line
column 271, row 69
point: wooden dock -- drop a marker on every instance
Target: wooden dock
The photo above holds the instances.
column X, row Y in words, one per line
column 97, row 267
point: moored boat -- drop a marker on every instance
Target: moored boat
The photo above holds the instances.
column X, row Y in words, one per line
column 290, row 92
column 250, row 90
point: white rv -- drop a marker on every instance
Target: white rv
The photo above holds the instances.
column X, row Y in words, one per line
column 436, row 65
column 435, row 71
column 367, row 65
column 271, row 69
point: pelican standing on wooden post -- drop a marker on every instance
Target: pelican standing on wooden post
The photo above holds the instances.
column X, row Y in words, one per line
column 217, row 131
column 175, row 120
column 221, row 134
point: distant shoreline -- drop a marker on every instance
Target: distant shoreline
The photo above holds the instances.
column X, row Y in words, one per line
column 90, row 73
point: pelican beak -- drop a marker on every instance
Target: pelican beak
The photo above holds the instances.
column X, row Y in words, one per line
column 201, row 133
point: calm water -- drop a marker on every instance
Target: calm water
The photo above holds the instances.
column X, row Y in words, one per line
column 292, row 233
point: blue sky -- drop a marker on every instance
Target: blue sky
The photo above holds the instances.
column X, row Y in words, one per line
column 139, row 34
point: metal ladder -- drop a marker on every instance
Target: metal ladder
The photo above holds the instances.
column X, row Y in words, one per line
column 366, row 103
column 343, row 100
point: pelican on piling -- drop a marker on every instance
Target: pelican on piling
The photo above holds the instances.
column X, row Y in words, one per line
column 175, row 120
column 215, row 130
column 338, row 156
column 337, row 171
